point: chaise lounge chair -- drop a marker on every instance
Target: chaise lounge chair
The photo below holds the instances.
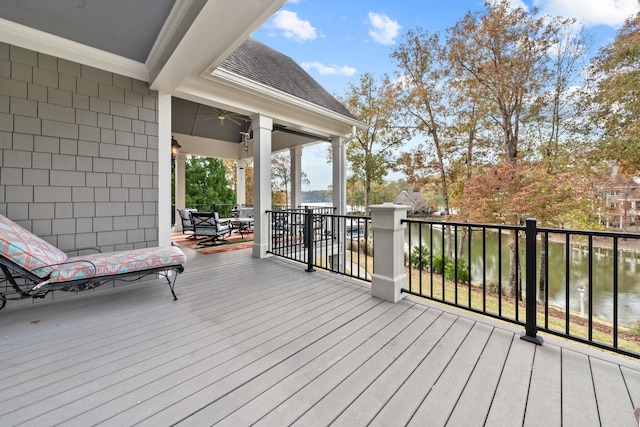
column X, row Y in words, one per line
column 32, row 267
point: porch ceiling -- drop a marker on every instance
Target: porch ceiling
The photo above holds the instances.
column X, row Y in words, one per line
column 122, row 27
column 200, row 120
column 162, row 42
column 203, row 121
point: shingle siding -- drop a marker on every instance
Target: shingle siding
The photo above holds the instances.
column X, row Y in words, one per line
column 77, row 147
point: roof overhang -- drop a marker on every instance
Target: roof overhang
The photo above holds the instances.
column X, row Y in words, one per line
column 218, row 29
column 195, row 37
column 244, row 96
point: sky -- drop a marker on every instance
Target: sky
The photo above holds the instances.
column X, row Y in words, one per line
column 336, row 41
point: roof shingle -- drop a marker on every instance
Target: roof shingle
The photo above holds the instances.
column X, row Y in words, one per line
column 262, row 64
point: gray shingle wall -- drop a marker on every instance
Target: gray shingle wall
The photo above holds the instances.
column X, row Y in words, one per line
column 78, row 148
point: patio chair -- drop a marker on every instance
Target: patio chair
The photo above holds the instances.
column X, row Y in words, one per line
column 33, row 267
column 209, row 225
column 244, row 222
column 187, row 222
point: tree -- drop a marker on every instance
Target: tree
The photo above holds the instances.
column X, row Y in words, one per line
column 559, row 111
column 413, row 165
column 248, row 178
column 423, row 84
column 371, row 151
column 281, row 176
column 616, row 101
column 498, row 58
column 206, row 183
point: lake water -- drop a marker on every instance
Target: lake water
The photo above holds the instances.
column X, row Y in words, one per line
column 578, row 263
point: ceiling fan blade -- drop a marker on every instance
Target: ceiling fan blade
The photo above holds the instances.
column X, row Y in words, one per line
column 234, row 120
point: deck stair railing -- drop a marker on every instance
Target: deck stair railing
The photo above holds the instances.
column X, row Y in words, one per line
column 318, row 238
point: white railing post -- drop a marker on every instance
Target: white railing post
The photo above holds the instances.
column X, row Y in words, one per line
column 388, row 251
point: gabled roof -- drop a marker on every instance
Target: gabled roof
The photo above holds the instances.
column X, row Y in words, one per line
column 258, row 62
column 414, row 196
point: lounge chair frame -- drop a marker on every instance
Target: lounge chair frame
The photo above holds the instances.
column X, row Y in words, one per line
column 13, row 273
column 33, row 273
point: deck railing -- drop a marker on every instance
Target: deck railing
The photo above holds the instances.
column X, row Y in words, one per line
column 570, row 283
column 319, row 239
column 581, row 285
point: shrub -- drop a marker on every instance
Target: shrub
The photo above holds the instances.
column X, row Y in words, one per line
column 419, row 257
column 462, row 270
column 438, row 264
column 493, row 286
column 447, row 266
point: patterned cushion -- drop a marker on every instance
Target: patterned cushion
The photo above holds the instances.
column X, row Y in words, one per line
column 112, row 263
column 28, row 250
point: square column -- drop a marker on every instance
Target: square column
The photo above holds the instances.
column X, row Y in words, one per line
column 295, row 154
column 241, row 191
column 179, row 177
column 262, row 127
column 339, row 174
column 388, row 253
column 164, row 169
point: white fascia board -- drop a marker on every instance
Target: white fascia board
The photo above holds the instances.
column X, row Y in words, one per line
column 220, row 27
column 248, row 97
column 280, row 97
column 39, row 41
column 167, row 33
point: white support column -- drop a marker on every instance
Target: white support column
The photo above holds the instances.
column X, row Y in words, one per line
column 164, row 169
column 388, row 256
column 296, row 176
column 241, row 191
column 339, row 174
column 262, row 127
column 179, row 174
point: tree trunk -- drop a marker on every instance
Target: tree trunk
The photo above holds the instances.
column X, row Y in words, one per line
column 462, row 247
column 542, row 281
column 449, row 243
column 515, row 283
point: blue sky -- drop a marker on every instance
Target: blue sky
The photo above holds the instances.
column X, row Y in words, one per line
column 336, row 41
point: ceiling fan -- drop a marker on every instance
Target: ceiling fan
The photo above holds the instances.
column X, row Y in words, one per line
column 223, row 115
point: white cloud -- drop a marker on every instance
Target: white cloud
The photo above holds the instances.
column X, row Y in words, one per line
column 591, row 13
column 343, row 70
column 515, row 4
column 293, row 27
column 383, row 29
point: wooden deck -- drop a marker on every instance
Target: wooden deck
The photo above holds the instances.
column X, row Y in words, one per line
column 264, row 342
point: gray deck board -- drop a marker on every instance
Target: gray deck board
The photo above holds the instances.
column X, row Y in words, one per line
column 288, row 377
column 379, row 392
column 510, row 397
column 403, row 404
column 544, row 404
column 612, row 393
column 264, row 342
column 472, row 408
column 577, row 389
column 437, row 406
